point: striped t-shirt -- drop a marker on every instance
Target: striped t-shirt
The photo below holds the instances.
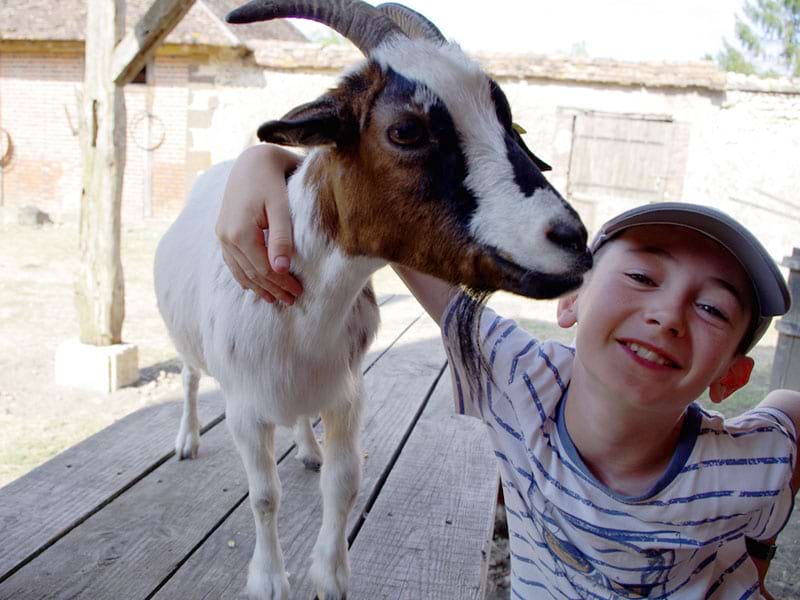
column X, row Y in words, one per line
column 573, row 537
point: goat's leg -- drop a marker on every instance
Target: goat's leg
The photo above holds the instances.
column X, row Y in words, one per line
column 266, row 578
column 340, row 478
column 188, row 439
column 308, row 450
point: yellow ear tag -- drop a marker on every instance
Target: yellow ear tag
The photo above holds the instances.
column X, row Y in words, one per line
column 518, row 128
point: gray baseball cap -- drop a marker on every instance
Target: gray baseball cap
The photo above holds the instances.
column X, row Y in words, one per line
column 771, row 293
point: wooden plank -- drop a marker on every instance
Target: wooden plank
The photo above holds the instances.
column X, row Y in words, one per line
column 398, row 313
column 117, row 445
column 140, row 43
column 432, row 524
column 126, row 549
column 396, row 390
column 38, row 508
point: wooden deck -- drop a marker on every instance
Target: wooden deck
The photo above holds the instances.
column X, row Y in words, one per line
column 117, row 517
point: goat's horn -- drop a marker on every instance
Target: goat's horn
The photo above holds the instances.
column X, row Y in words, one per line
column 359, row 22
column 413, row 24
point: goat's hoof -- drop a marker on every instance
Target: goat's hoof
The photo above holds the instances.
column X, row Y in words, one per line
column 312, row 464
column 267, row 586
column 331, row 577
column 310, row 457
column 187, row 444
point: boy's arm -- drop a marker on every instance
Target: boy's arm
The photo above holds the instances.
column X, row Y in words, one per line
column 787, row 402
column 256, row 198
column 432, row 293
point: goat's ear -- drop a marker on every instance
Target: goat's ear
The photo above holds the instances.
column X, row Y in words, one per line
column 543, row 166
column 318, row 123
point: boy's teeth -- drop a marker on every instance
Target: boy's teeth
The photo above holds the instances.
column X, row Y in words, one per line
column 647, row 354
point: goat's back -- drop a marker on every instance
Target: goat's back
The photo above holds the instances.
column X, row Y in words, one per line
column 188, row 260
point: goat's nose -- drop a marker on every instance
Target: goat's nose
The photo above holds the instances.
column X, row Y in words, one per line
column 570, row 236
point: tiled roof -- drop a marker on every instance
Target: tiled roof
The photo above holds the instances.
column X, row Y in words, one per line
column 65, row 20
column 699, row 74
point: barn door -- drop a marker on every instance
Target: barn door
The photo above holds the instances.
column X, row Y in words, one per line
column 618, row 161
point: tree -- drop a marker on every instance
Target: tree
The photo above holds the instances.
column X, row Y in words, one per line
column 768, row 40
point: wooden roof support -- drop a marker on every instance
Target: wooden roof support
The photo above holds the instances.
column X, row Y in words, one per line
column 99, row 287
column 138, row 46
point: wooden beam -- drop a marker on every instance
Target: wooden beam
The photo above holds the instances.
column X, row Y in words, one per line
column 139, row 45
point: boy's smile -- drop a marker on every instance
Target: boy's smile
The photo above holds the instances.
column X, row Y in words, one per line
column 660, row 317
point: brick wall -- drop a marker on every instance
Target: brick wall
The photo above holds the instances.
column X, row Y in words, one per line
column 38, row 107
column 736, row 143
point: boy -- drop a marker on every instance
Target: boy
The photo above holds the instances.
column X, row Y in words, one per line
column 617, row 484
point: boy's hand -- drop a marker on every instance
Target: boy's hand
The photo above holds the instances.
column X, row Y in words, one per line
column 256, row 199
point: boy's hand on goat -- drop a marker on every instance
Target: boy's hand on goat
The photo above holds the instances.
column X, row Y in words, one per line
column 256, row 199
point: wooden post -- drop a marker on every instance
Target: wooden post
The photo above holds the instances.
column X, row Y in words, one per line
column 111, row 62
column 100, row 288
column 786, row 365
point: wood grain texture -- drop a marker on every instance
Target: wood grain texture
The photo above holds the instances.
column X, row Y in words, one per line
column 129, row 547
column 397, row 387
column 120, row 538
column 40, row 506
column 429, row 533
column 99, row 284
column 140, row 43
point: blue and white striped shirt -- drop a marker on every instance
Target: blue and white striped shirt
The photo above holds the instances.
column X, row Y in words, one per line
column 573, row 537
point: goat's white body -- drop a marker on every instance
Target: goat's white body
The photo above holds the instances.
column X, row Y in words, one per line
column 294, row 359
column 275, row 365
column 500, row 224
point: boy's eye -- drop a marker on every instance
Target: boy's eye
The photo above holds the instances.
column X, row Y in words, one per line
column 640, row 278
column 712, row 310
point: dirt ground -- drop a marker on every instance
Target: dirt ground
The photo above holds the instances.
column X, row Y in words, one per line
column 39, row 419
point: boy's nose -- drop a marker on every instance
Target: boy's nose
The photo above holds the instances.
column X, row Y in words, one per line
column 669, row 319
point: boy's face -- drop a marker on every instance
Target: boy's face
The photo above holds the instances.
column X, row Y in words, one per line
column 660, row 318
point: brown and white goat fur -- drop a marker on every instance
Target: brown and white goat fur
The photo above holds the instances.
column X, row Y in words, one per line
column 415, row 161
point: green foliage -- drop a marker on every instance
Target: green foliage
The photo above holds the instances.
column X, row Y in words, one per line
column 768, row 40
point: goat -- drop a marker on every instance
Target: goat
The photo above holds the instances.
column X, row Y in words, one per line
column 413, row 160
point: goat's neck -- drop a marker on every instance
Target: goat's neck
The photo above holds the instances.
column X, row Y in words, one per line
column 332, row 280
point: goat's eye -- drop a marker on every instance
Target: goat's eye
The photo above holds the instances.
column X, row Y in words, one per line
column 409, row 132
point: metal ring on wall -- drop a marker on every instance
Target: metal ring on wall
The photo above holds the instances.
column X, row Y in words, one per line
column 6, row 148
column 156, row 128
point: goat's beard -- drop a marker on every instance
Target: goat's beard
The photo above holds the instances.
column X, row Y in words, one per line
column 468, row 312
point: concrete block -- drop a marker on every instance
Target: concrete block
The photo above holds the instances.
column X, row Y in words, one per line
column 30, row 216
column 9, row 215
column 96, row 368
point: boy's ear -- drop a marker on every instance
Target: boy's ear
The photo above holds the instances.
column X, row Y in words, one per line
column 317, row 123
column 567, row 311
column 736, row 377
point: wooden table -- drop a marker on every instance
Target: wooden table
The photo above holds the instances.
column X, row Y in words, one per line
column 118, row 517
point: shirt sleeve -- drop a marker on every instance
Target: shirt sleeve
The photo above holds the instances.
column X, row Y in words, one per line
column 773, row 440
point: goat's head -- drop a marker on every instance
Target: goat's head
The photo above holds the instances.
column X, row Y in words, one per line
column 426, row 168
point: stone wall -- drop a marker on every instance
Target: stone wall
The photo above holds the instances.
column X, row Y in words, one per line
column 734, row 146
column 736, row 143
